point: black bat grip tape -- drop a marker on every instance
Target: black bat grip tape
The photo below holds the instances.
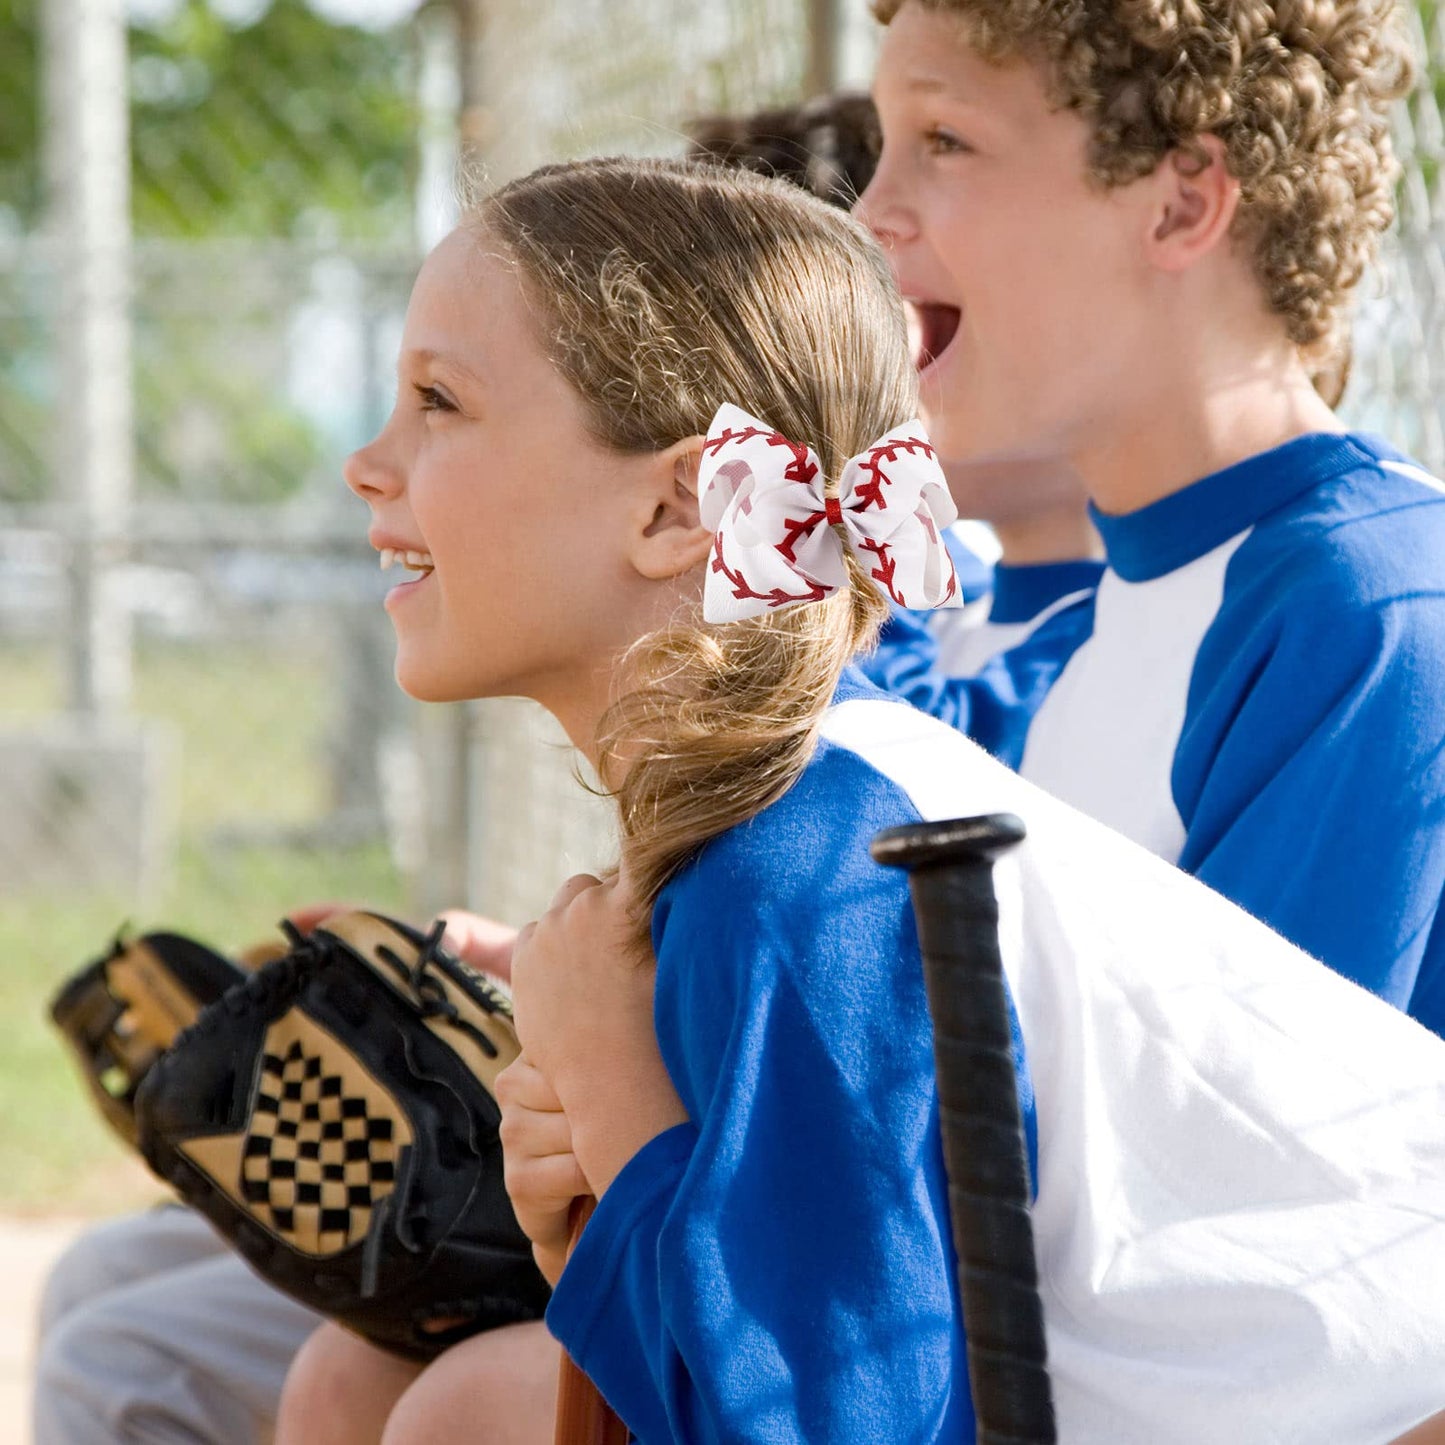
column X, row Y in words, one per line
column 950, row 868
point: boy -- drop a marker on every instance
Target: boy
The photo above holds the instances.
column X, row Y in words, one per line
column 1035, row 509
column 1130, row 232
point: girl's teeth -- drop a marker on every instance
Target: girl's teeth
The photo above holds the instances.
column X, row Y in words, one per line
column 418, row 561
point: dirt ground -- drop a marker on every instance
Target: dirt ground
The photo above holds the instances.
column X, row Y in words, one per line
column 27, row 1249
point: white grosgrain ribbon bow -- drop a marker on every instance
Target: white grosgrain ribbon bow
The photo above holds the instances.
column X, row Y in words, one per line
column 775, row 546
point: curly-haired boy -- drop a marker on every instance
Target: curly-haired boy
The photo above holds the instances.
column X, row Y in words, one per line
column 1041, row 589
column 1132, row 228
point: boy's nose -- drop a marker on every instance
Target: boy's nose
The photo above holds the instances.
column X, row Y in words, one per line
column 880, row 209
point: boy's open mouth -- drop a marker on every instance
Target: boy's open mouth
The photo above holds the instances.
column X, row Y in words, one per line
column 937, row 325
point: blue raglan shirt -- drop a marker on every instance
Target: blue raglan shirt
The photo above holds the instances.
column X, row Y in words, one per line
column 780, row 1268
column 1039, row 615
column 975, row 576
column 1023, row 599
column 1262, row 699
column 1022, row 592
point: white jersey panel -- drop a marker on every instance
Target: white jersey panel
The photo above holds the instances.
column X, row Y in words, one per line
column 956, row 629
column 1241, row 1188
column 1414, row 473
column 1104, row 738
column 967, row 644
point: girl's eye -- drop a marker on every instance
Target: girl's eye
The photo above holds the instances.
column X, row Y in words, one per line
column 944, row 142
column 431, row 399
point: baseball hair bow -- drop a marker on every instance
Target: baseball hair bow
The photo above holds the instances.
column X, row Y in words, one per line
column 776, row 543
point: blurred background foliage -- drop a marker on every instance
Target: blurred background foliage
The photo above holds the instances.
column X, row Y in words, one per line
column 270, row 123
column 281, row 124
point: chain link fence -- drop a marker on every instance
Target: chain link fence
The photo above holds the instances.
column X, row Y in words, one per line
column 549, row 81
column 1398, row 383
column 283, row 165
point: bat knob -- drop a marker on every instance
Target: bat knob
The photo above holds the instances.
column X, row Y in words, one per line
column 953, row 840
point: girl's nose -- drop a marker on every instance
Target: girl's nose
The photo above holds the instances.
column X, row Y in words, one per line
column 369, row 474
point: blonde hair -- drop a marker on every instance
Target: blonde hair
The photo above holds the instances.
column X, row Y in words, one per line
column 661, row 290
column 1297, row 91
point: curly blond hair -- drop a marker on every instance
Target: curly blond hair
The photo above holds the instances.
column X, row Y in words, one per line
column 1296, row 90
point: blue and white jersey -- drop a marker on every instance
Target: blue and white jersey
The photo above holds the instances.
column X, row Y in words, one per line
column 1022, row 599
column 1237, row 1153
column 973, row 552
column 986, row 668
column 1262, row 700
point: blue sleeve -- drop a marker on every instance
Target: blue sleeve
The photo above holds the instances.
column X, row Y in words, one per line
column 975, row 576
column 780, row 1269
column 1310, row 775
column 995, row 706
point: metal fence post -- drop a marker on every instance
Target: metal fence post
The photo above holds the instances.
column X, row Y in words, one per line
column 87, row 163
column 825, row 46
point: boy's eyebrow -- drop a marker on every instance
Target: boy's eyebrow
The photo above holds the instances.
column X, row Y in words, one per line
column 930, row 83
column 927, row 84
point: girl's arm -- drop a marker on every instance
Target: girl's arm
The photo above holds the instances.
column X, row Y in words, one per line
column 994, row 706
column 583, row 1001
column 542, row 1175
column 772, row 1261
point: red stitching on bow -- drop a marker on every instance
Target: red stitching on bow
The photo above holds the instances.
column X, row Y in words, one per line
column 717, row 443
column 800, row 469
column 798, row 528
column 743, row 591
column 887, row 566
column 870, row 492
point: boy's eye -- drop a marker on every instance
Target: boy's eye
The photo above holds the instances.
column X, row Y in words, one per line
column 431, row 399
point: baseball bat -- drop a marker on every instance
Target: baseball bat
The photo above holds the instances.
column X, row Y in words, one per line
column 950, row 876
column 583, row 1416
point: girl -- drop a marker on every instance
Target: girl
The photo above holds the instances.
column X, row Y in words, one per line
column 654, row 466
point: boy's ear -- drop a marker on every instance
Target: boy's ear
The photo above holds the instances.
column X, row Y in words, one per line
column 1194, row 206
column 670, row 538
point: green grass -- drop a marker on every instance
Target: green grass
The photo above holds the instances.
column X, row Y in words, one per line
column 253, row 730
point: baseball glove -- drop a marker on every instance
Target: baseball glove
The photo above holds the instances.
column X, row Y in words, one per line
column 333, row 1117
column 120, row 1012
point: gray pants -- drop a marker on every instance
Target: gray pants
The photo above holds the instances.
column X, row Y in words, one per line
column 152, row 1331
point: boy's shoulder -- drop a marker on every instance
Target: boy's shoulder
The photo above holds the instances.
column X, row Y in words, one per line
column 1371, row 534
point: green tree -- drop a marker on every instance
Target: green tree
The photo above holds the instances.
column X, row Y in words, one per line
column 285, row 126
column 288, row 127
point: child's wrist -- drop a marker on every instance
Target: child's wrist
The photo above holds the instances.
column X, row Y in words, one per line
column 550, row 1261
column 605, row 1145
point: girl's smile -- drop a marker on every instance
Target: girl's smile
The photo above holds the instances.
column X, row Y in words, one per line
column 486, row 483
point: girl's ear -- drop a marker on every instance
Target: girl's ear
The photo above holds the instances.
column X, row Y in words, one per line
column 1194, row 204
column 669, row 538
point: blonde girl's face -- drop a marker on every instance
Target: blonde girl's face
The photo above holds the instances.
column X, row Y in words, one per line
column 486, row 481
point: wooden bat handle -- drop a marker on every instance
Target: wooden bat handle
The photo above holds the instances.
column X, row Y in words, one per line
column 583, row 1416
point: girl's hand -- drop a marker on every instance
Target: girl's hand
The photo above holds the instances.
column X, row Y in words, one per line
column 583, row 1002
column 541, row 1172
